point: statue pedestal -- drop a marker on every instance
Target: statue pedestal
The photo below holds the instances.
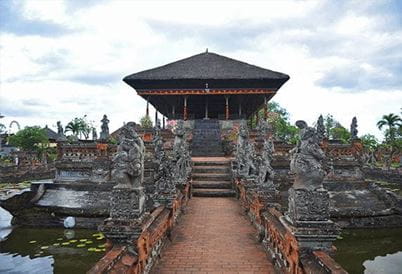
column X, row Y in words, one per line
column 127, row 203
column 308, row 219
column 126, row 214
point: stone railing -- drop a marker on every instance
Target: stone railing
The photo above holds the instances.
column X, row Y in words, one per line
column 154, row 232
column 279, row 239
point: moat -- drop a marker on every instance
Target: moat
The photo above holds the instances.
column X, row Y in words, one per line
column 47, row 250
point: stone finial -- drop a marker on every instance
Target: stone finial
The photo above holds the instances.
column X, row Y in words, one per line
column 353, row 129
column 104, row 135
column 94, row 134
column 60, row 133
column 307, row 159
column 320, row 128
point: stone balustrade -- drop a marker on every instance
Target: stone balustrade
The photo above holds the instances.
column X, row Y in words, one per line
column 155, row 231
column 279, row 238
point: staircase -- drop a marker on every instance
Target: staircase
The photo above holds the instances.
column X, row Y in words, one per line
column 207, row 139
column 211, row 177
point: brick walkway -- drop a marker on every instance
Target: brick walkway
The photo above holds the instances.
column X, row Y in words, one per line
column 213, row 236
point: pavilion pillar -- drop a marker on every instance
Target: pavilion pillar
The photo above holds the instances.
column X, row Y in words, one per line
column 227, row 107
column 239, row 110
column 174, row 112
column 156, row 117
column 265, row 108
column 163, row 122
column 206, row 108
column 185, row 109
column 147, row 109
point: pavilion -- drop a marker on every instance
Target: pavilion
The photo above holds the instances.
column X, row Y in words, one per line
column 207, row 85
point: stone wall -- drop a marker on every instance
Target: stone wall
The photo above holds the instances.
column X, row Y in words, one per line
column 16, row 174
column 392, row 176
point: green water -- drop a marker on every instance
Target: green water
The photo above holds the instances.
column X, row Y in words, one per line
column 45, row 250
column 370, row 250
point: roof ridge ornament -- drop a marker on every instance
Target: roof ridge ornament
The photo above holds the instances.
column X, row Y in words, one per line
column 206, row 87
column 206, row 51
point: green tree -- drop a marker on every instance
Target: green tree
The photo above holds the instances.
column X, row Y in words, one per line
column 393, row 122
column 79, row 127
column 393, row 136
column 30, row 139
column 283, row 130
column 339, row 132
column 146, row 122
column 369, row 142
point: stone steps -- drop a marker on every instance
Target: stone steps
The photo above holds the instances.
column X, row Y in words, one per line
column 214, row 193
column 211, row 178
column 212, row 184
column 211, row 169
column 206, row 139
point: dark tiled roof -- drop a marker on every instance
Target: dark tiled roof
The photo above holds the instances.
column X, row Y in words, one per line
column 216, row 70
column 51, row 135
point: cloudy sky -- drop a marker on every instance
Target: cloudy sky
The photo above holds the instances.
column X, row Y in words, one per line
column 66, row 59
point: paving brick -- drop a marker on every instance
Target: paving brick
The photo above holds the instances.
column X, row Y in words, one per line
column 213, row 237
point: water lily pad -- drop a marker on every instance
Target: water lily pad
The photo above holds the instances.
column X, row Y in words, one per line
column 81, row 245
column 98, row 250
column 83, row 240
column 44, row 247
column 60, row 239
column 96, row 234
column 73, row 241
column 103, row 249
column 56, row 244
column 32, row 242
column 65, row 243
column 89, row 242
column 100, row 238
column 102, row 246
column 92, row 249
column 36, row 255
column 40, row 252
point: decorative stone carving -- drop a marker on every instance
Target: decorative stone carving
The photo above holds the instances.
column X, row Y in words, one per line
column 94, row 134
column 245, row 153
column 265, row 178
column 128, row 162
column 307, row 205
column 353, row 129
column 181, row 155
column 308, row 208
column 104, row 135
column 165, row 184
column 60, row 133
column 307, row 159
column 320, row 128
column 128, row 198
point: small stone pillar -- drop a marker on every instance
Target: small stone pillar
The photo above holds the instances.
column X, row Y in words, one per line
column 308, row 211
column 124, row 225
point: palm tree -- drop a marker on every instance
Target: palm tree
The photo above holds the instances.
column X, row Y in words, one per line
column 392, row 121
column 79, row 127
